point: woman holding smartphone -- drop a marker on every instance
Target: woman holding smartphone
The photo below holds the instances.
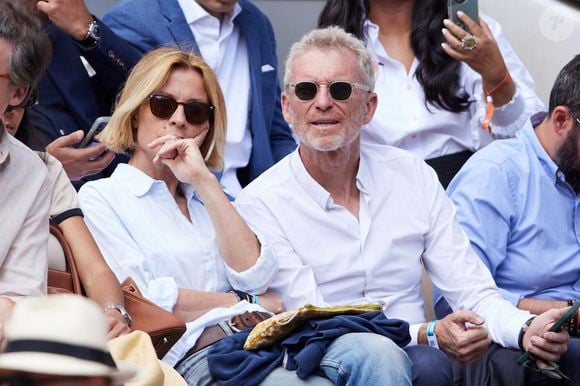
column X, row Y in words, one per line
column 434, row 78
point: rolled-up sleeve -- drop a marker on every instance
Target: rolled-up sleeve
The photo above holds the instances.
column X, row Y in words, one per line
column 256, row 279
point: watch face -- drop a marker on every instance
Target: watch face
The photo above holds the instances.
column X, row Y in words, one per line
column 95, row 31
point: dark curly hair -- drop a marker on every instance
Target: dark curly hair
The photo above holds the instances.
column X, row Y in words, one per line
column 438, row 73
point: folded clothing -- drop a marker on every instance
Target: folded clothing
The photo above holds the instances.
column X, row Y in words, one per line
column 301, row 351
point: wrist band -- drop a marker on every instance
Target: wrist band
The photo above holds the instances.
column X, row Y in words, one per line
column 255, row 299
column 489, row 99
column 431, row 338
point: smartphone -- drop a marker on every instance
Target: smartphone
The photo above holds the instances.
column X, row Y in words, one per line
column 469, row 7
column 555, row 327
column 97, row 126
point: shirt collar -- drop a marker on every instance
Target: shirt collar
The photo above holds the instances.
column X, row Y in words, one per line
column 315, row 190
column 194, row 12
column 139, row 183
column 528, row 133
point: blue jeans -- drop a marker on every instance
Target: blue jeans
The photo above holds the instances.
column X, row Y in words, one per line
column 366, row 359
column 353, row 359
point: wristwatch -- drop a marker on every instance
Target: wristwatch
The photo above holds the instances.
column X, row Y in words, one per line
column 523, row 330
column 122, row 311
column 93, row 35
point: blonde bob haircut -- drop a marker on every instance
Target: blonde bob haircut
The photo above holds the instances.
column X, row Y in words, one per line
column 148, row 76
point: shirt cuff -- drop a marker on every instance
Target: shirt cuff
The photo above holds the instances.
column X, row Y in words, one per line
column 414, row 332
column 506, row 116
column 511, row 331
column 163, row 292
column 256, row 279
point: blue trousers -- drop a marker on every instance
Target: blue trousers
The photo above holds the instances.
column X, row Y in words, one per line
column 498, row 367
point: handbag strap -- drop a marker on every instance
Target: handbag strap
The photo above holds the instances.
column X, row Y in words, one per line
column 71, row 266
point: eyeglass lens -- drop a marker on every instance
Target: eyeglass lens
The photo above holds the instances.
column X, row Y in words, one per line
column 339, row 91
column 163, row 106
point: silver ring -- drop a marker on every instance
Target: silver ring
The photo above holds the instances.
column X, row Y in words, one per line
column 468, row 43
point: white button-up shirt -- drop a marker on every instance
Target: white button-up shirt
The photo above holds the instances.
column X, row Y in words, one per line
column 24, row 203
column 224, row 49
column 143, row 234
column 403, row 120
column 406, row 221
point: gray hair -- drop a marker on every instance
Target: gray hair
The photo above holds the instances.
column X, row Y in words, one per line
column 31, row 47
column 333, row 38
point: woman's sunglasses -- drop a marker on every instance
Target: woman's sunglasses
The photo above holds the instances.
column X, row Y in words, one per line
column 339, row 90
column 196, row 113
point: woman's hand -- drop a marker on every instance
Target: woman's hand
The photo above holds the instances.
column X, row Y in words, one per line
column 182, row 156
column 117, row 324
column 486, row 58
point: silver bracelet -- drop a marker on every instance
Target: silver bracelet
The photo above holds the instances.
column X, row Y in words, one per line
column 122, row 311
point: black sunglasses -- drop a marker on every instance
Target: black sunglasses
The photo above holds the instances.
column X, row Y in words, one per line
column 196, row 113
column 339, row 90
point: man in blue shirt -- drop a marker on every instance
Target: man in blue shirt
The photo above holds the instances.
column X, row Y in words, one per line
column 518, row 200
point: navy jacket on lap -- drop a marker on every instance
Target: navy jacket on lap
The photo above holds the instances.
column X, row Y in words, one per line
column 301, row 351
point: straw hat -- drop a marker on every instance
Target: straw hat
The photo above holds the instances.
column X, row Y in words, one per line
column 60, row 335
column 137, row 348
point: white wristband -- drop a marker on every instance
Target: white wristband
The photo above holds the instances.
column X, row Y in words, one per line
column 431, row 338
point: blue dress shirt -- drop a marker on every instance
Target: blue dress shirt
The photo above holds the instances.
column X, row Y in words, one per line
column 522, row 218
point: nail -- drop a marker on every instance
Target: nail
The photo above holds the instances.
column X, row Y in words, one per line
column 446, row 22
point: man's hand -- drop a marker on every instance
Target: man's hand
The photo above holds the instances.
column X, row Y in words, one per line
column 117, row 324
column 79, row 163
column 543, row 343
column 464, row 343
column 271, row 302
column 71, row 16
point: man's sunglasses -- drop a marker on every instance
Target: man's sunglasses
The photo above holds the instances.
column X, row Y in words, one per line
column 196, row 113
column 339, row 90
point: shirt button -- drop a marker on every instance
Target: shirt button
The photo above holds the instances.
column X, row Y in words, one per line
column 408, row 87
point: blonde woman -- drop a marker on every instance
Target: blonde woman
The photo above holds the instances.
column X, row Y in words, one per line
column 164, row 220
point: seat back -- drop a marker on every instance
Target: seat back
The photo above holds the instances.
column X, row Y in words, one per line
column 62, row 281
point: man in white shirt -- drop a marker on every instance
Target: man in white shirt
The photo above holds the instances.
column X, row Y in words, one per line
column 352, row 225
column 237, row 41
column 24, row 181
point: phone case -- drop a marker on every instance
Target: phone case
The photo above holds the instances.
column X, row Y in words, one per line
column 468, row 7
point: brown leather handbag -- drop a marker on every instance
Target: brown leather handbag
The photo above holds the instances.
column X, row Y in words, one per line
column 64, row 281
column 163, row 327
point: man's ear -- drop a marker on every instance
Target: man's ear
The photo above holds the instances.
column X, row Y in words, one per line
column 19, row 95
column 562, row 121
column 285, row 106
column 371, row 107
